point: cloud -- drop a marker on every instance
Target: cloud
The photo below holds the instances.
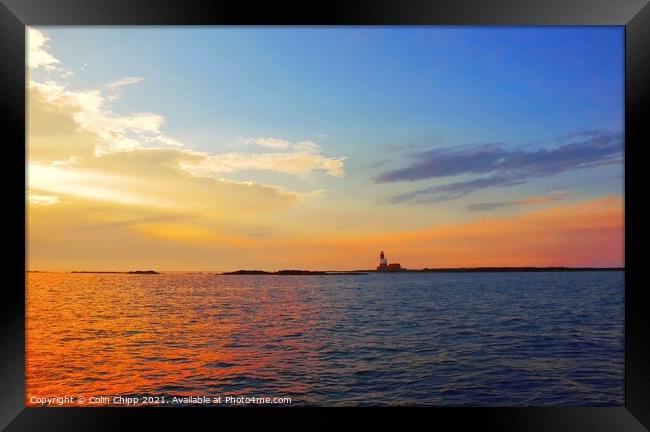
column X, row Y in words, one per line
column 489, row 206
column 306, row 146
column 123, row 82
column 68, row 162
column 452, row 191
column 535, row 200
column 584, row 134
column 114, row 132
column 500, row 166
column 38, row 55
column 210, row 165
column 377, row 164
column 126, row 133
column 114, row 87
column 495, row 158
column 162, row 140
column 273, row 143
column 39, row 199
column 295, row 158
column 87, row 184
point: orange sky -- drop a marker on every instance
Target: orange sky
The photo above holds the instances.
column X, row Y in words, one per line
column 585, row 234
column 589, row 233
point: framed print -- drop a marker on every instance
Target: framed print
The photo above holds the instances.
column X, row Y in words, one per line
column 416, row 210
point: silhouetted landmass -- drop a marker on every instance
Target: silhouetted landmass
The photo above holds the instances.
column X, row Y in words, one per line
column 86, row 271
column 300, row 272
column 346, row 273
column 517, row 269
column 290, row 272
column 502, row 269
column 116, row 272
column 248, row 272
column 364, row 272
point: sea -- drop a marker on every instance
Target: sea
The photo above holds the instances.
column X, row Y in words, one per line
column 415, row 339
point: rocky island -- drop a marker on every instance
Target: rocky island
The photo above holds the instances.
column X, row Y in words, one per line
column 290, row 272
column 117, row 272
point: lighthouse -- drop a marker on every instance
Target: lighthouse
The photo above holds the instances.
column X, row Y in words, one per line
column 384, row 266
column 383, row 262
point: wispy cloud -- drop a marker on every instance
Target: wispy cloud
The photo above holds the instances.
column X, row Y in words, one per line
column 211, row 165
column 501, row 167
column 284, row 156
column 40, row 199
column 123, row 82
column 283, row 144
column 87, row 184
column 584, row 134
column 377, row 164
column 495, row 158
column 113, row 88
column 534, row 200
column 452, row 191
column 273, row 143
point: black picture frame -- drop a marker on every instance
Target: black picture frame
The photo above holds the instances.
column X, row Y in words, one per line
column 16, row 14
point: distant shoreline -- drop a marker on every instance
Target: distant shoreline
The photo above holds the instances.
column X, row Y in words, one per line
column 430, row 270
column 293, row 273
column 117, row 272
column 507, row 269
column 359, row 272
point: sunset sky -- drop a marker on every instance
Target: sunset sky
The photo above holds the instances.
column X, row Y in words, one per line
column 315, row 148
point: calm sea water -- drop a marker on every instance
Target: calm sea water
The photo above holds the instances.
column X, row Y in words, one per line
column 380, row 339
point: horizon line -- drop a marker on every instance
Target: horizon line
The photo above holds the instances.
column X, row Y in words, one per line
column 338, row 271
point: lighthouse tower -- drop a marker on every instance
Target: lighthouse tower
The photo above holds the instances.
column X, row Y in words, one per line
column 383, row 262
column 384, row 266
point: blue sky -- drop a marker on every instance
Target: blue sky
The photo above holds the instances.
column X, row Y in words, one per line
column 361, row 86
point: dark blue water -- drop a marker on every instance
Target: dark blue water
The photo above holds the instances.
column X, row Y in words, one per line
column 494, row 339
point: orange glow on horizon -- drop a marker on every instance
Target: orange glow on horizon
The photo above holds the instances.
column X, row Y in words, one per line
column 586, row 234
